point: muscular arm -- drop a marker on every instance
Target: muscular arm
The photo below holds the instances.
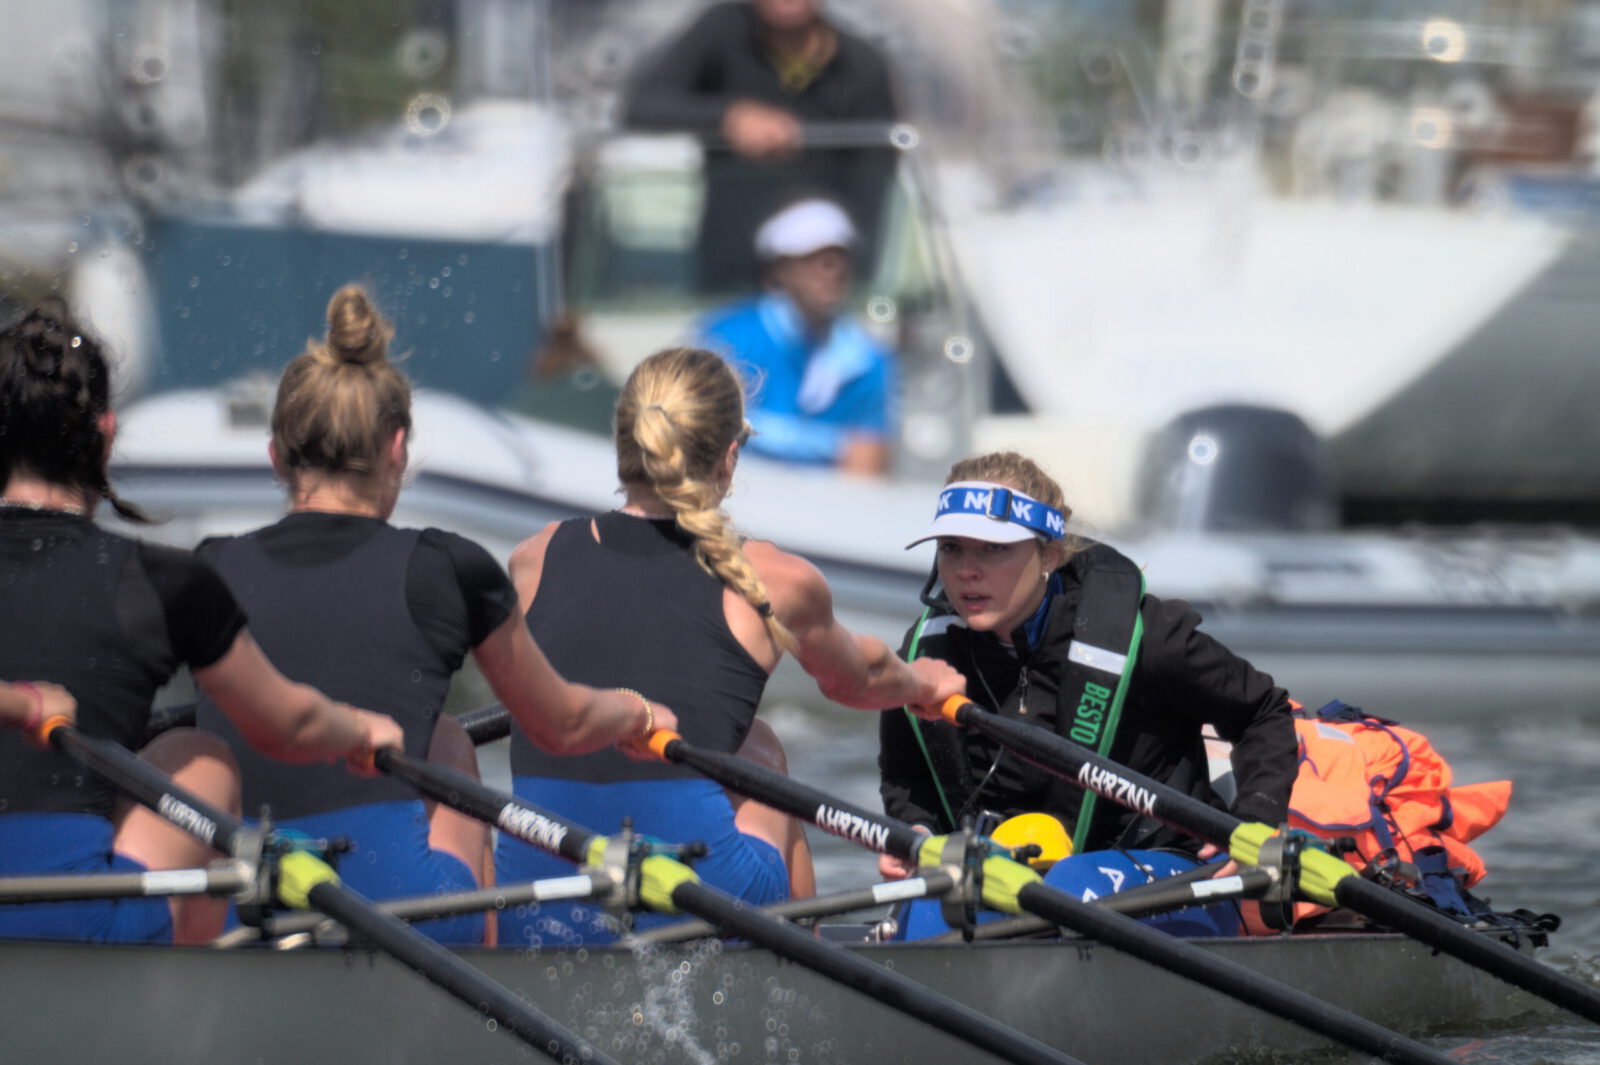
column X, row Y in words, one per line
column 558, row 716
column 852, row 669
column 293, row 722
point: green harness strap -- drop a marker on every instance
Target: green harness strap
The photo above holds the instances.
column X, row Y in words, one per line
column 1080, row 831
column 916, row 725
column 1107, row 579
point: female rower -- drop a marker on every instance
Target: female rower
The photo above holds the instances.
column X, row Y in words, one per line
column 384, row 616
column 110, row 619
column 1048, row 631
column 663, row 595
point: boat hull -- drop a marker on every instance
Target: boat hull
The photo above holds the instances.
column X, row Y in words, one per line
column 703, row 1002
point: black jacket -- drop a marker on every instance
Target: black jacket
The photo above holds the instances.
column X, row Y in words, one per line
column 1182, row 679
column 720, row 59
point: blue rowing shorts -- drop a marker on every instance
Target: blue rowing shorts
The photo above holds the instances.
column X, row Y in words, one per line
column 678, row 811
column 390, row 859
column 1092, row 875
column 74, row 844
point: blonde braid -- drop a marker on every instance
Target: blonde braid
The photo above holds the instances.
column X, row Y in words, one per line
column 676, row 417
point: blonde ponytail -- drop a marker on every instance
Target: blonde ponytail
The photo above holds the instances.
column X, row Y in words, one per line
column 677, row 415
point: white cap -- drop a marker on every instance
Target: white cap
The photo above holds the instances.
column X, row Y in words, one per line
column 803, row 228
column 983, row 510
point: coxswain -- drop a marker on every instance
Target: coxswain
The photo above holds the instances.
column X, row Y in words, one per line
column 1057, row 631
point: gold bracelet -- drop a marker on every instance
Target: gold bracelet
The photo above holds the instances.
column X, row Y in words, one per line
column 649, row 711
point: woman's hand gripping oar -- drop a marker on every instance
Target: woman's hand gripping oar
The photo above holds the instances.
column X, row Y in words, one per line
column 666, row 885
column 1011, row 887
column 1323, row 878
column 304, row 881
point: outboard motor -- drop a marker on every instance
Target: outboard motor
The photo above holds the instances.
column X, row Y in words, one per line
column 1237, row 468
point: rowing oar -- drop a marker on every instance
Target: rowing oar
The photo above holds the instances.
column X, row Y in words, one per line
column 1012, row 887
column 306, row 881
column 667, row 885
column 1323, row 877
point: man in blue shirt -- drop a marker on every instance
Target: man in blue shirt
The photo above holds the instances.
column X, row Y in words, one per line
column 823, row 391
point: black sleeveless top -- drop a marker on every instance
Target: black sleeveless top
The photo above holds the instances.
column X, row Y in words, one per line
column 328, row 603
column 110, row 619
column 635, row 610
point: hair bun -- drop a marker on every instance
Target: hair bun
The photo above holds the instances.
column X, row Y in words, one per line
column 357, row 333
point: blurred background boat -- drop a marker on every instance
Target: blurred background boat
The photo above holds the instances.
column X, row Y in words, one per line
column 1297, row 299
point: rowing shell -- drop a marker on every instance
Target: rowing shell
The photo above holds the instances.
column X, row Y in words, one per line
column 703, row 1002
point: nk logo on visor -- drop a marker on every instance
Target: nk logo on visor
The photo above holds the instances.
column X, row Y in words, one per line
column 1004, row 504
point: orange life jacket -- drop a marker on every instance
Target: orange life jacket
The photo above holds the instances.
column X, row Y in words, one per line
column 1386, row 788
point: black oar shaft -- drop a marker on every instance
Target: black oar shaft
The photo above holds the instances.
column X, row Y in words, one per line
column 1066, row 759
column 1231, row 978
column 399, row 940
column 455, row 789
column 149, row 786
column 1489, row 954
column 485, row 724
column 737, row 918
column 1102, row 776
column 777, row 790
column 876, row 832
column 870, row 979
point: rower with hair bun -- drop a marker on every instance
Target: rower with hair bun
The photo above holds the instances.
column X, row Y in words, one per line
column 664, row 595
column 385, row 616
column 103, row 621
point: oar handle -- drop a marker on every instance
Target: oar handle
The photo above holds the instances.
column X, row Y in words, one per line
column 876, row 832
column 531, row 824
column 1060, row 756
column 954, row 706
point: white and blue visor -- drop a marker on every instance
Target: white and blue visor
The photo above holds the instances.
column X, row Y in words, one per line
column 982, row 510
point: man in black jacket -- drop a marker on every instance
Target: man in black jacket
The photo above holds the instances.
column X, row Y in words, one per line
column 755, row 73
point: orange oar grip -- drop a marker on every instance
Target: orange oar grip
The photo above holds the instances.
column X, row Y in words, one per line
column 658, row 740
column 952, row 706
column 41, row 735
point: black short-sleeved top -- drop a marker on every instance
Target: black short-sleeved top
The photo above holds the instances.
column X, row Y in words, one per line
column 110, row 619
column 372, row 615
